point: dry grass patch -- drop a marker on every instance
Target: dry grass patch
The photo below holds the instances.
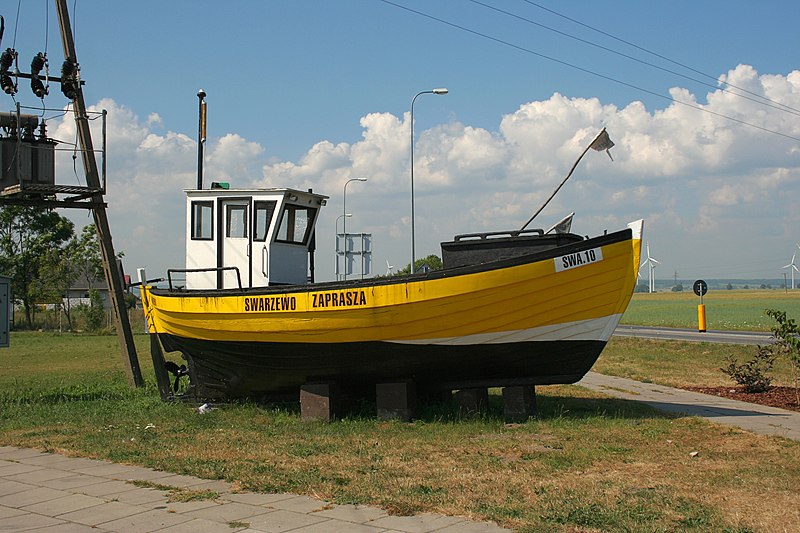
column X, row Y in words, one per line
column 677, row 363
column 177, row 494
column 588, row 463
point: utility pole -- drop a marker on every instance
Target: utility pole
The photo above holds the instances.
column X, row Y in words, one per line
column 112, row 273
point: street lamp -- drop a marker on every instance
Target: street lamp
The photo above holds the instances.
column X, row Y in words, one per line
column 344, row 222
column 336, row 242
column 413, row 236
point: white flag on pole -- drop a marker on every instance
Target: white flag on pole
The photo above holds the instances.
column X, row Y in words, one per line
column 603, row 142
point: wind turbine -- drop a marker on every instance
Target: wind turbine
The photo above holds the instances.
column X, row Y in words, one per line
column 651, row 264
column 792, row 268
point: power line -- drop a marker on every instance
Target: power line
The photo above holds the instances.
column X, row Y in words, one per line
column 656, row 54
column 16, row 24
column 587, row 71
column 761, row 99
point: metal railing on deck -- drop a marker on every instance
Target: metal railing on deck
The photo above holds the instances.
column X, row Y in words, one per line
column 215, row 269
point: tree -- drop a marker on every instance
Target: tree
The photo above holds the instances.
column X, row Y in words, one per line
column 32, row 240
column 432, row 262
column 95, row 312
column 84, row 253
column 641, row 287
column 85, row 264
column 81, row 259
column 729, row 287
column 787, row 342
column 59, row 278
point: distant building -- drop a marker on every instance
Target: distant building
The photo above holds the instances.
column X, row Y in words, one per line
column 79, row 292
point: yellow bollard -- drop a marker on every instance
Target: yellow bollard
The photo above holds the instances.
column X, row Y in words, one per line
column 701, row 318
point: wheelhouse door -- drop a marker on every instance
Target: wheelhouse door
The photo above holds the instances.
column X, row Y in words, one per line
column 235, row 243
column 263, row 212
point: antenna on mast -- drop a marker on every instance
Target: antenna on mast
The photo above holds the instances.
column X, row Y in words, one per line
column 602, row 142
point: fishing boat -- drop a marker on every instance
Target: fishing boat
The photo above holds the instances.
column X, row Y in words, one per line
column 522, row 307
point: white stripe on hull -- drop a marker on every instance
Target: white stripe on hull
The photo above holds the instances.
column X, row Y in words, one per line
column 597, row 329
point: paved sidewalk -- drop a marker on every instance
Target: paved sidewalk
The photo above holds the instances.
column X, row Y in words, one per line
column 49, row 493
column 748, row 416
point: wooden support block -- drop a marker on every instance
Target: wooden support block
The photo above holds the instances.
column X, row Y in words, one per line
column 318, row 402
column 432, row 394
column 472, row 401
column 519, row 403
column 162, row 376
column 396, row 401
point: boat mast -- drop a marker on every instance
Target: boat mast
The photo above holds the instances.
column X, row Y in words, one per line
column 201, row 136
column 112, row 273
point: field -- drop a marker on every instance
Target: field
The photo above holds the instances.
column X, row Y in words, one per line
column 725, row 310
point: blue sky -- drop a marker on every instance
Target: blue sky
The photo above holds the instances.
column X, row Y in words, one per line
column 309, row 94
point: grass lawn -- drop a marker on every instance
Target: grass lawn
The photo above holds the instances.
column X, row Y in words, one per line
column 587, row 463
column 725, row 310
column 677, row 363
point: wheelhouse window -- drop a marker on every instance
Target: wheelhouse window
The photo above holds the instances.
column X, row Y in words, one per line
column 236, row 221
column 202, row 221
column 296, row 224
column 262, row 216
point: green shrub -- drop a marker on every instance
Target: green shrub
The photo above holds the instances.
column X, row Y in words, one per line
column 787, row 342
column 93, row 314
column 753, row 374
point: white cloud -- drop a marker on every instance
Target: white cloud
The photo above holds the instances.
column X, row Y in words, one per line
column 700, row 180
column 154, row 119
column 233, row 159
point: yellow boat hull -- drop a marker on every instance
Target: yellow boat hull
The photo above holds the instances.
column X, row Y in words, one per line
column 536, row 319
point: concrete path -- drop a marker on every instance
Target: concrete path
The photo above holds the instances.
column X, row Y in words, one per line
column 49, row 493
column 748, row 416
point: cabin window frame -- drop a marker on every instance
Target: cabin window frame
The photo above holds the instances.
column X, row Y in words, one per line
column 289, row 215
column 267, row 206
column 199, row 223
column 240, row 225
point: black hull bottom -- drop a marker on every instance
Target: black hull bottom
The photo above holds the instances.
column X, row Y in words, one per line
column 226, row 369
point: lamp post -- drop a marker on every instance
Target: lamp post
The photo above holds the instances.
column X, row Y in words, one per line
column 413, row 235
column 344, row 222
column 336, row 242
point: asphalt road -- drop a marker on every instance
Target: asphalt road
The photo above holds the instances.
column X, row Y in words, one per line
column 723, row 337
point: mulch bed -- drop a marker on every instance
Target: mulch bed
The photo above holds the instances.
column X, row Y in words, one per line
column 783, row 397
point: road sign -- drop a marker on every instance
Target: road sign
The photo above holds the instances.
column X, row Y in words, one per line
column 700, row 288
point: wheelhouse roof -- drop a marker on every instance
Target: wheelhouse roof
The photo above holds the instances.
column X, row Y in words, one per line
column 239, row 192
